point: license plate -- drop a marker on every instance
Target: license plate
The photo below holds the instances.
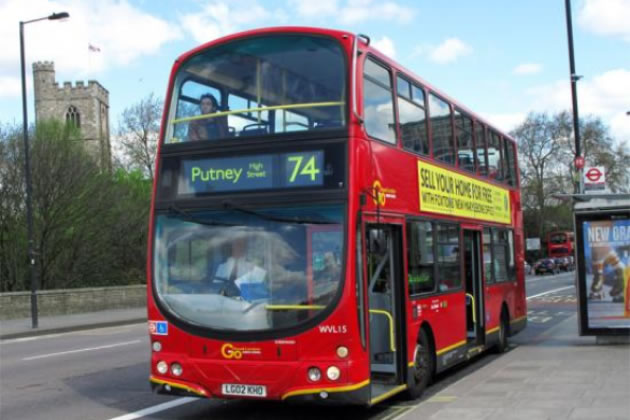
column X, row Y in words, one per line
column 244, row 390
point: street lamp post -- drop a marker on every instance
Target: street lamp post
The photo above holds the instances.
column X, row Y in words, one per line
column 574, row 79
column 27, row 171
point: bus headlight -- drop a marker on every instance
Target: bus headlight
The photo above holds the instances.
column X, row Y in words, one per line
column 157, row 346
column 342, row 352
column 333, row 373
column 162, row 367
column 176, row 369
column 314, row 374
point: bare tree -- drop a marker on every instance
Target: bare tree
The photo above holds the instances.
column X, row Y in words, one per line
column 139, row 129
column 546, row 153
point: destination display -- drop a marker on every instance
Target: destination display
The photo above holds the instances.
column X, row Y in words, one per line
column 256, row 172
column 446, row 192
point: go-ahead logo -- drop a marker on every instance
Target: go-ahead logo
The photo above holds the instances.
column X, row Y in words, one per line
column 380, row 194
column 229, row 351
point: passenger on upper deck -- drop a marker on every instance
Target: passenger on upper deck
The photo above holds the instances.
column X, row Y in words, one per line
column 208, row 128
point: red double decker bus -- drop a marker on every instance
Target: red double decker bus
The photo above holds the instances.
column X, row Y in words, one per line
column 560, row 244
column 326, row 226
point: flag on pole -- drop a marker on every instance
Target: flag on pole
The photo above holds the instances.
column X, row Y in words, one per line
column 93, row 48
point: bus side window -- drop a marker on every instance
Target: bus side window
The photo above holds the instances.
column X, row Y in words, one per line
column 412, row 118
column 480, row 150
column 487, row 256
column 512, row 164
column 465, row 146
column 421, row 268
column 378, row 103
column 441, row 130
column 448, row 257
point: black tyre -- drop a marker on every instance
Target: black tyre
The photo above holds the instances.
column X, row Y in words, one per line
column 423, row 366
column 502, row 344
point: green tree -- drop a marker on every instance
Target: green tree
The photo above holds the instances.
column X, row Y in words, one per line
column 90, row 226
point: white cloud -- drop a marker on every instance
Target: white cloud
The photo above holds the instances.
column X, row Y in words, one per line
column 606, row 17
column 352, row 11
column 604, row 95
column 528, row 68
column 219, row 18
column 505, row 122
column 362, row 10
column 121, row 31
column 386, row 46
column 449, row 50
column 314, row 8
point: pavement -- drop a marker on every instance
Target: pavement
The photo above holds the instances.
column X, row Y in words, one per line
column 555, row 375
column 19, row 328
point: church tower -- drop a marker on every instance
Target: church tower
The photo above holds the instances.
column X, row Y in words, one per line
column 85, row 106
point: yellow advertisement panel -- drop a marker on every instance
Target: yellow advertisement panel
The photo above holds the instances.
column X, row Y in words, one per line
column 445, row 192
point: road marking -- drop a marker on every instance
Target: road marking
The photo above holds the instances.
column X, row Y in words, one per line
column 550, row 292
column 81, row 332
column 156, row 408
column 44, row 356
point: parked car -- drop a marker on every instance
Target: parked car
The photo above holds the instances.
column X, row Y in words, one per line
column 564, row 263
column 546, row 265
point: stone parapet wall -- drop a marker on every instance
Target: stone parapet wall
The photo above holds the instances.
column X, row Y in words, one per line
column 72, row 301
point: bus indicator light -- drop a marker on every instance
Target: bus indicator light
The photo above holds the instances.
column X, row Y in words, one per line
column 314, row 374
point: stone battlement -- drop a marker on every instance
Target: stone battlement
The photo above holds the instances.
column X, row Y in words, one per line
column 44, row 66
column 80, row 88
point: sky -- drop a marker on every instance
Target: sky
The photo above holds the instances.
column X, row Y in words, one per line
column 501, row 59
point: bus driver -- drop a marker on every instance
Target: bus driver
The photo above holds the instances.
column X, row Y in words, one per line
column 240, row 276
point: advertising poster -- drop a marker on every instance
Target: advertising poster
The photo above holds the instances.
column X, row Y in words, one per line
column 607, row 273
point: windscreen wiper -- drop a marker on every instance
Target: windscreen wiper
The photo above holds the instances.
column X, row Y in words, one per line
column 302, row 221
column 173, row 209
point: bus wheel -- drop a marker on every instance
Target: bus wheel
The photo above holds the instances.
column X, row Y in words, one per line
column 422, row 367
column 502, row 345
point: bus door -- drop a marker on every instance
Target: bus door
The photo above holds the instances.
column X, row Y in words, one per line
column 384, row 264
column 475, row 314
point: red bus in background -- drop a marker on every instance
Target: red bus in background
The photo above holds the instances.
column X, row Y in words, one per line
column 325, row 225
column 560, row 244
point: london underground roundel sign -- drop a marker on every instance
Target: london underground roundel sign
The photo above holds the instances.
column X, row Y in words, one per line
column 593, row 174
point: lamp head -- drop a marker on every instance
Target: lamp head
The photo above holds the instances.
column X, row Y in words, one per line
column 57, row 16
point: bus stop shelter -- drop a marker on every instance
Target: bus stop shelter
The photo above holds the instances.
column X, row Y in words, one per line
column 602, row 228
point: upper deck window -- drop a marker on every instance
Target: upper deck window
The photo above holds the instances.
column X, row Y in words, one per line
column 377, row 102
column 412, row 117
column 258, row 86
column 441, row 129
column 465, row 146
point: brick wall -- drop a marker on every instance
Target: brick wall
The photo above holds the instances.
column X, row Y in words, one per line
column 72, row 301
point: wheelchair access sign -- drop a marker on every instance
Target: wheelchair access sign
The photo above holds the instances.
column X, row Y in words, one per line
column 158, row 327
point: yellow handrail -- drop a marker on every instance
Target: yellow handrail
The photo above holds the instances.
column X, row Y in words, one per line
column 472, row 298
column 294, row 307
column 264, row 108
column 392, row 342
